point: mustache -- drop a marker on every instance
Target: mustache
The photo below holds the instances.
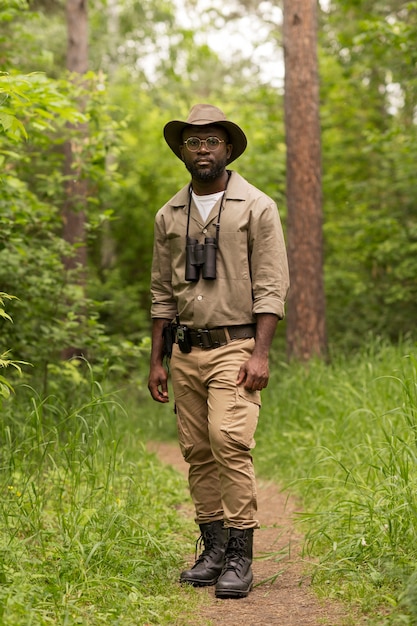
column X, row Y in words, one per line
column 203, row 160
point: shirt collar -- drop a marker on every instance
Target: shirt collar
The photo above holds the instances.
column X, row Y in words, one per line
column 235, row 191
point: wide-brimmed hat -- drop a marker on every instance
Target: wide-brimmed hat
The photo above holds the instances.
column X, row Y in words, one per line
column 205, row 115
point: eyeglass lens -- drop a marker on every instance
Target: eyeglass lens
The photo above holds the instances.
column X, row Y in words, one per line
column 194, row 143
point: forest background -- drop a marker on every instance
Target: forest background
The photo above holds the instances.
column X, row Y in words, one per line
column 146, row 68
column 368, row 99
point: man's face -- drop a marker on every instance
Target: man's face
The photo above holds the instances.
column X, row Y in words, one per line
column 205, row 165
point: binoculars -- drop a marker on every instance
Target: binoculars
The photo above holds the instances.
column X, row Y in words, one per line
column 200, row 256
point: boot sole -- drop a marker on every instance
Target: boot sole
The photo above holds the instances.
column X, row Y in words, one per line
column 198, row 583
column 230, row 593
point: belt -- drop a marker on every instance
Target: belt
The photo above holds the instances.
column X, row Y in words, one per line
column 208, row 338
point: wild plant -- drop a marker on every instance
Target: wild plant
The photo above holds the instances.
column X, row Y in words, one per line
column 344, row 437
column 89, row 532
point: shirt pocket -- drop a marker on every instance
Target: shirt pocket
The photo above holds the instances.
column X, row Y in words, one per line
column 233, row 256
column 177, row 253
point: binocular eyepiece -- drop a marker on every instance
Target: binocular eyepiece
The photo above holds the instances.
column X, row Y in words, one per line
column 200, row 256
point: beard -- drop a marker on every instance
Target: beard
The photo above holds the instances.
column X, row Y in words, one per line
column 207, row 174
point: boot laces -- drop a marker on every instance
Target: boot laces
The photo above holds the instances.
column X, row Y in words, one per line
column 206, row 540
column 235, row 552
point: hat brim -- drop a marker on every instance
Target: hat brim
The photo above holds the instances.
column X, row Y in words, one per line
column 174, row 129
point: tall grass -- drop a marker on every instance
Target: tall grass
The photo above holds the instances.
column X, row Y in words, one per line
column 344, row 437
column 89, row 531
column 89, row 528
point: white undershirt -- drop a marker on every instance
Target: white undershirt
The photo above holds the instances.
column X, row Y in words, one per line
column 205, row 203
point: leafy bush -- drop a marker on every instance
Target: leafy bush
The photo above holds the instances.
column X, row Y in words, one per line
column 5, row 360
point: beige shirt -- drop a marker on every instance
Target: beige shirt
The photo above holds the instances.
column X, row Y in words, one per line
column 252, row 269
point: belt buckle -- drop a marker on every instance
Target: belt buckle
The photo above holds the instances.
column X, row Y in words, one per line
column 204, row 338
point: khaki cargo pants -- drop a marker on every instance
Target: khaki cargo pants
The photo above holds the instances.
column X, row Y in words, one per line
column 216, row 427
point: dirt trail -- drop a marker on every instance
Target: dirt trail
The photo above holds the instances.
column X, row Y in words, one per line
column 284, row 599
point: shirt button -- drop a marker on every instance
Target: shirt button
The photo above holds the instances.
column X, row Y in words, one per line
column 199, row 297
column 204, row 230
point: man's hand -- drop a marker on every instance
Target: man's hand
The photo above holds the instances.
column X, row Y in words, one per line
column 158, row 376
column 158, row 383
column 254, row 373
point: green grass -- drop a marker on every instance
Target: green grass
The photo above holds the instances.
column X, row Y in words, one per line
column 344, row 438
column 89, row 531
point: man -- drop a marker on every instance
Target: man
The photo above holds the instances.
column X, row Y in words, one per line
column 219, row 280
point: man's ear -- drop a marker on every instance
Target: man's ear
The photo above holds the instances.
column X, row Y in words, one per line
column 229, row 150
column 182, row 152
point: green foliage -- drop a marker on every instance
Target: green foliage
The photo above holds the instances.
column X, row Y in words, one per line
column 21, row 22
column 369, row 150
column 344, row 438
column 32, row 185
column 90, row 532
column 5, row 386
column 9, row 9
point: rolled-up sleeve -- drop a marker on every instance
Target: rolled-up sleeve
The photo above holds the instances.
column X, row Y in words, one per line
column 269, row 266
column 163, row 301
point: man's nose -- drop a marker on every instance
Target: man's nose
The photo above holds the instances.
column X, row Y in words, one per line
column 203, row 146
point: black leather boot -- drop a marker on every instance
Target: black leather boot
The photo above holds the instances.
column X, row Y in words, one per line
column 236, row 578
column 209, row 564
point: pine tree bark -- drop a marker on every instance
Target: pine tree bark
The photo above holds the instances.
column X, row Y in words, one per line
column 306, row 321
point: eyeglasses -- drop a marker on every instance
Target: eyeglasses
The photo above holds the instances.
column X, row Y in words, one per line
column 211, row 143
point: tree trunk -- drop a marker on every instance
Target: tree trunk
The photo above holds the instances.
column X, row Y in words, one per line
column 73, row 213
column 77, row 28
column 306, row 323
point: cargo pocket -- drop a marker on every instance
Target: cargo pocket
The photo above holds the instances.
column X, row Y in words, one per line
column 241, row 420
